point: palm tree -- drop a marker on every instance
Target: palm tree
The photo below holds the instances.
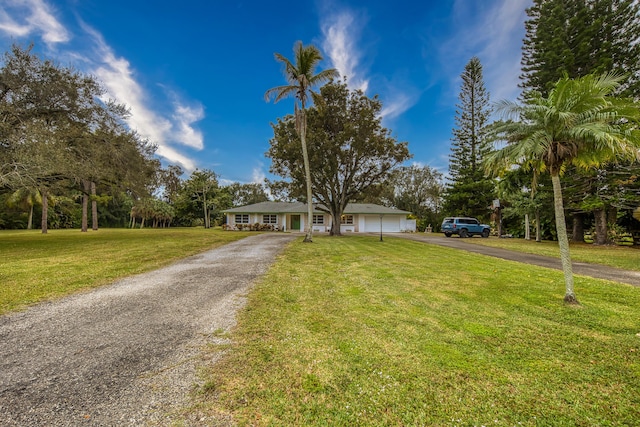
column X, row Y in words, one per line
column 577, row 123
column 301, row 78
column 26, row 198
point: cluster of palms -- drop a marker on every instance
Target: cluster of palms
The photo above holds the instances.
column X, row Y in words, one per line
column 148, row 209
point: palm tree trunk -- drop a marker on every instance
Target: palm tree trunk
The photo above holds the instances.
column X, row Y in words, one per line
column 527, row 228
column 563, row 240
column 307, row 174
column 30, row 220
column 94, row 207
column 538, row 227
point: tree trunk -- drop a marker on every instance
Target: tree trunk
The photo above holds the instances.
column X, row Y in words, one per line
column 335, row 225
column 30, row 220
column 45, row 211
column 612, row 215
column 527, row 228
column 601, row 226
column 563, row 240
column 204, row 208
column 538, row 227
column 94, row 207
column 307, row 175
column 578, row 228
column 85, row 206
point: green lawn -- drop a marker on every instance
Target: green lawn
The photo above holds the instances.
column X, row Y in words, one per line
column 355, row 332
column 625, row 257
column 35, row 266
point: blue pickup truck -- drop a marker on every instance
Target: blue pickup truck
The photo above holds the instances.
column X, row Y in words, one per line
column 464, row 227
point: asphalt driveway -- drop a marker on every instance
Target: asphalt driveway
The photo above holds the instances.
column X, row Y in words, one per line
column 581, row 268
column 125, row 354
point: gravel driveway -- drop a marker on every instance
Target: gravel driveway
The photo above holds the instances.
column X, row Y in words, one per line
column 125, row 354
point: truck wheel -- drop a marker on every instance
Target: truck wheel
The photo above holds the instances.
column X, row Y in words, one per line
column 464, row 233
column 485, row 233
column 447, row 234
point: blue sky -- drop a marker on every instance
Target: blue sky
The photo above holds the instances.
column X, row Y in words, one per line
column 194, row 73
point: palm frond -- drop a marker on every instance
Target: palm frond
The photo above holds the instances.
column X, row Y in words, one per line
column 280, row 92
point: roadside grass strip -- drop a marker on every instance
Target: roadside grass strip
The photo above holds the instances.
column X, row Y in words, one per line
column 36, row 267
column 351, row 331
column 625, row 257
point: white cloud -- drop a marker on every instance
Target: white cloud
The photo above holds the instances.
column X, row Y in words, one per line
column 341, row 31
column 118, row 77
column 184, row 116
column 258, row 175
column 176, row 158
column 396, row 105
column 32, row 16
column 26, row 18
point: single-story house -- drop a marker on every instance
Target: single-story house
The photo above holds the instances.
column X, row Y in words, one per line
column 357, row 217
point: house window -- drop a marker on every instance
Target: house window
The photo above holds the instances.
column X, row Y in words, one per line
column 346, row 219
column 269, row 219
column 242, row 218
column 318, row 220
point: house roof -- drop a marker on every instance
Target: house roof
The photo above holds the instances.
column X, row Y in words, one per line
column 301, row 208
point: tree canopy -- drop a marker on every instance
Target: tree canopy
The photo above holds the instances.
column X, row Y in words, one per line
column 58, row 135
column 349, row 149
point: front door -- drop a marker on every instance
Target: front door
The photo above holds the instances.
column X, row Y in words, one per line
column 295, row 222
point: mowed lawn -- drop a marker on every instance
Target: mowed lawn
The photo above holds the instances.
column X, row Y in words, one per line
column 35, row 267
column 351, row 331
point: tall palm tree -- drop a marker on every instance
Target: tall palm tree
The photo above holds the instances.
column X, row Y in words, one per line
column 301, row 78
column 577, row 123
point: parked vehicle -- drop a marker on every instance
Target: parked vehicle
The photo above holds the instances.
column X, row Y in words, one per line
column 464, row 227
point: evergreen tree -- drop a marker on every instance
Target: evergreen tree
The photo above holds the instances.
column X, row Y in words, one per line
column 580, row 37
column 470, row 191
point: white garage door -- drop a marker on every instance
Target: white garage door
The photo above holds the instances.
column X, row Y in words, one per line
column 390, row 224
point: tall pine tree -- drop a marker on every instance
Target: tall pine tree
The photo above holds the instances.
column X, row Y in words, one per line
column 470, row 192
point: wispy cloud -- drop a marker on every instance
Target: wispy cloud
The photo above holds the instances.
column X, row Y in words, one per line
column 118, row 77
column 396, row 106
column 22, row 18
column 341, row 31
column 29, row 18
column 184, row 117
column 258, row 175
column 495, row 36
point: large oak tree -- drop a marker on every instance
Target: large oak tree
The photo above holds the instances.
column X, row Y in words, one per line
column 349, row 149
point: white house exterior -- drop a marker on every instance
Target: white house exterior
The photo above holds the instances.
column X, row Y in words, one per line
column 357, row 218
